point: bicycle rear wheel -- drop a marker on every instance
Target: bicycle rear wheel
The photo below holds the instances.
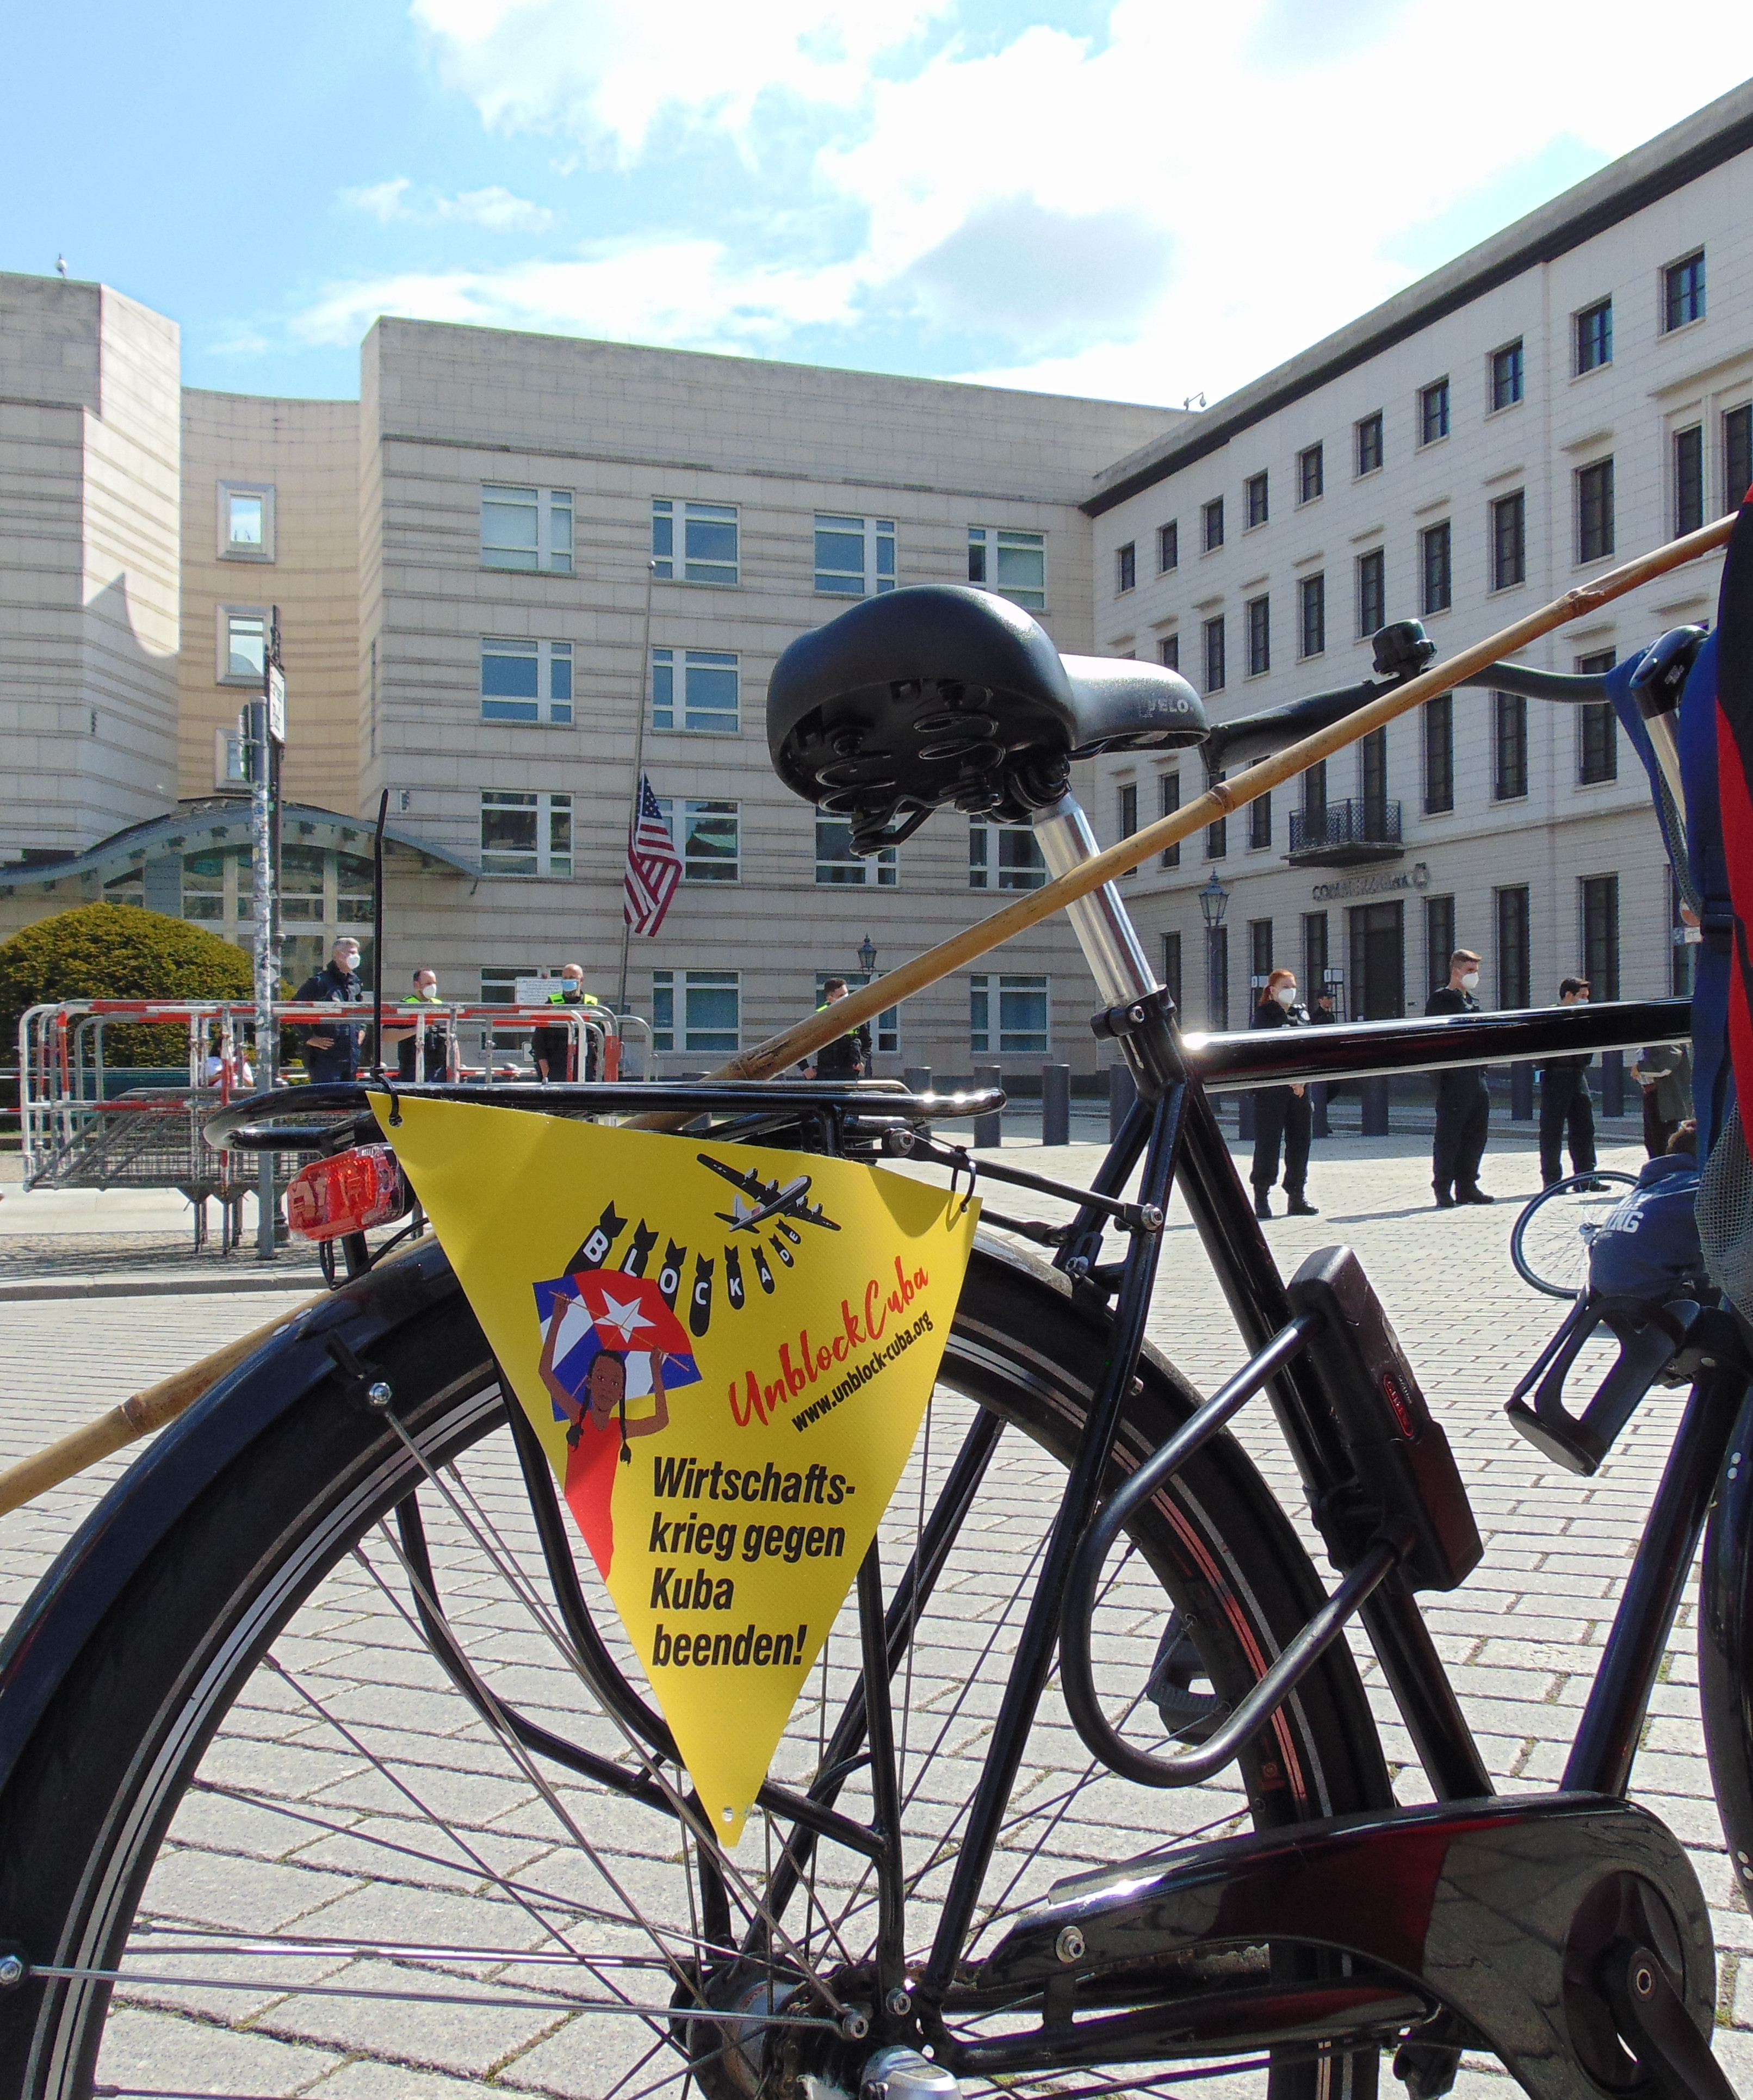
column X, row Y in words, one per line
column 1551, row 1240
column 268, row 1836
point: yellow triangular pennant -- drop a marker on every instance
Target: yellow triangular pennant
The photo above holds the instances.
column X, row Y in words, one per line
column 727, row 1351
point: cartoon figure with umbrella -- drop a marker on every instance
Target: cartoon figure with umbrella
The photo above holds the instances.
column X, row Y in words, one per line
column 610, row 1339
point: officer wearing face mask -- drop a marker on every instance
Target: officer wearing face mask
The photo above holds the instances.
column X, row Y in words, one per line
column 1463, row 1107
column 1281, row 1113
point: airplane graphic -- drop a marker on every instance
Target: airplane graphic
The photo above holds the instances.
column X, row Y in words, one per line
column 758, row 1201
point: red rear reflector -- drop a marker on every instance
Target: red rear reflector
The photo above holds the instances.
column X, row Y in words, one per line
column 333, row 1197
column 1398, row 1400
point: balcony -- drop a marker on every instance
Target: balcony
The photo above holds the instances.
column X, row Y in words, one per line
column 1345, row 834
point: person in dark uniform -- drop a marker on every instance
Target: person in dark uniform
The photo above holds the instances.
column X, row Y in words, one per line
column 553, row 1050
column 1281, row 1114
column 332, row 1051
column 403, row 1034
column 1324, row 1013
column 848, row 1057
column 1463, row 1107
column 1565, row 1102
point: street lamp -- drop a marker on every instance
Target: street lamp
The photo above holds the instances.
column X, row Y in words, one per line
column 867, row 958
column 1214, row 901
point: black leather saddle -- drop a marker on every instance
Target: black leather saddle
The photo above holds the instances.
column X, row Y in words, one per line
column 941, row 695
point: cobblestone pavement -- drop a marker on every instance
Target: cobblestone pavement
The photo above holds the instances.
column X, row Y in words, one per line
column 293, row 1829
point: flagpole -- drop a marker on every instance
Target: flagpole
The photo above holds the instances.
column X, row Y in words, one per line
column 638, row 772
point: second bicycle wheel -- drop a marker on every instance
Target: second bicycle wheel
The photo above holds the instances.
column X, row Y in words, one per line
column 302, row 1819
column 1550, row 1243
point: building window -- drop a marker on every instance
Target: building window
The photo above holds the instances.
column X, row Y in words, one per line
column 1013, row 564
column 1594, row 336
column 1126, row 565
column 1022, row 1018
column 1599, row 900
column 1509, row 746
column 1737, row 456
column 1311, row 473
column 1369, row 435
column 527, row 528
column 1595, row 511
column 1259, row 956
column 1436, row 568
column 1515, row 961
column 1682, row 294
column 1168, row 652
column 1172, row 968
column 1311, row 605
column 1688, row 479
column 242, row 645
column 1254, row 490
column 710, row 551
column 1315, row 956
column 1211, row 524
column 854, row 557
column 708, row 700
column 1597, row 729
column 525, row 682
column 1214, row 655
column 1259, row 612
column 708, row 837
column 1217, row 834
column 1372, row 593
column 525, row 834
column 1433, row 412
column 711, row 1009
column 1509, row 540
column 1439, row 755
column 1127, row 810
column 1168, row 546
column 1259, row 822
column 1004, row 856
column 1372, row 780
column 246, row 521
column 1439, row 939
column 837, row 864
column 1171, row 795
column 1506, row 375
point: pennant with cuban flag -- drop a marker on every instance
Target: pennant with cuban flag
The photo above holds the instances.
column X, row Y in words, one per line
column 653, row 867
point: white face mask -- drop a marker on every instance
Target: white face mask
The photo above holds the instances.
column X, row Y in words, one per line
column 1470, row 982
column 1286, row 995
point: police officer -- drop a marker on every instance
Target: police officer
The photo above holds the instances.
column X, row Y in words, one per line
column 331, row 1050
column 1463, row 1107
column 1564, row 1099
column 1281, row 1112
column 405, row 1033
column 1324, row 1013
column 553, row 1049
column 848, row 1057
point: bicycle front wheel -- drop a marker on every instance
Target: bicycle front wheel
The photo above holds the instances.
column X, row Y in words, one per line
column 319, row 1798
column 1552, row 1239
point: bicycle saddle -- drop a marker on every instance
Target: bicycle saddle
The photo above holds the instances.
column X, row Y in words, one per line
column 944, row 695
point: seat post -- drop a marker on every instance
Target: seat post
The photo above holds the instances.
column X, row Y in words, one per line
column 1103, row 927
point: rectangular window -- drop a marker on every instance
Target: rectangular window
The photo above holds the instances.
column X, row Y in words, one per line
column 242, row 645
column 1372, row 593
column 1688, row 479
column 1737, row 456
column 1509, row 540
column 1254, row 489
column 246, row 521
column 1259, row 822
column 525, row 682
column 1436, row 566
column 837, row 864
column 1439, row 939
column 1600, row 901
column 1214, row 655
column 1372, row 780
column 1216, row 835
column 712, row 1002
column 1211, row 517
column 1315, row 805
column 1315, row 956
column 854, row 557
column 1682, row 294
column 1595, row 511
column 708, row 700
column 1171, row 967
column 1258, row 636
column 1433, row 412
column 1515, row 961
column 1126, row 567
column 1311, row 473
column 710, row 552
column 1594, row 336
column 1168, row 546
column 1020, row 1023
column 1509, row 746
column 1126, row 810
column 1598, row 730
column 525, row 834
column 1013, row 564
column 707, row 838
column 1170, row 794
column 1369, row 435
column 1004, row 856
column 1311, row 603
column 1168, row 652
column 1439, row 755
column 1506, row 375
column 527, row 528
column 1260, row 955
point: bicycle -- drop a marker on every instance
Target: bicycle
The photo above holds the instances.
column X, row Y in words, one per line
column 1550, row 1241
column 897, row 1929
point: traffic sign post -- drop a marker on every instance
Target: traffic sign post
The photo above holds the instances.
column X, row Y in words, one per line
column 264, row 721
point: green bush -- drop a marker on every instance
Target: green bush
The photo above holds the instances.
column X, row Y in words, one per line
column 107, row 950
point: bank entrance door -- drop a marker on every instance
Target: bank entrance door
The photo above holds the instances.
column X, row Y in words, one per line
column 1378, row 961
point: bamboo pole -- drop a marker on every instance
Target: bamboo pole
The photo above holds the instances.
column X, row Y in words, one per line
column 1223, row 799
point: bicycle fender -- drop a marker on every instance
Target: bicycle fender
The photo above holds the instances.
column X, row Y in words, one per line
column 1725, row 1646
column 93, row 1570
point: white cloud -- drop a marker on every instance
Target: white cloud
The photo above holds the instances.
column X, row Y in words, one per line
column 494, row 208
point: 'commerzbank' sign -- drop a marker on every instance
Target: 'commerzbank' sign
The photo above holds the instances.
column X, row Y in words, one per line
column 1415, row 877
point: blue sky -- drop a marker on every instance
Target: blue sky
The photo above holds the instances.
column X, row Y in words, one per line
column 1141, row 200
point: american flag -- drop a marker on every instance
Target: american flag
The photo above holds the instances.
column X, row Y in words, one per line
column 653, row 867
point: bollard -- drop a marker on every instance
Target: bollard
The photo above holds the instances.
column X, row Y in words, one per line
column 1374, row 1096
column 988, row 1130
column 1612, row 1082
column 1521, row 1093
column 1123, row 1091
column 1246, row 1109
column 1056, row 1104
column 917, row 1078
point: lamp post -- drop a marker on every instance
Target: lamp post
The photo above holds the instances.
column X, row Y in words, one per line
column 867, row 958
column 1214, row 901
